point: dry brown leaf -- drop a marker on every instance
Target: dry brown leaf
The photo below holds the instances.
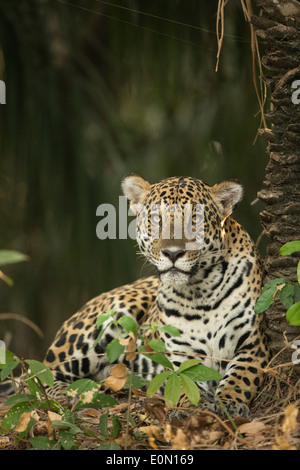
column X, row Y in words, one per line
column 131, row 347
column 177, row 440
column 124, row 341
column 290, row 418
column 119, row 371
column 283, row 443
column 24, row 420
column 130, row 356
column 114, row 383
column 253, row 427
column 54, row 416
column 152, row 431
column 89, row 414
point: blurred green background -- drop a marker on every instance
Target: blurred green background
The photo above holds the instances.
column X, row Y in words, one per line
column 95, row 91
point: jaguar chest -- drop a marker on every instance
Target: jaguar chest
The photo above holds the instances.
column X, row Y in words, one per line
column 212, row 315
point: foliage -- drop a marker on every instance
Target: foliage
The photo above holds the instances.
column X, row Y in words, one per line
column 287, row 292
column 64, row 424
column 10, row 257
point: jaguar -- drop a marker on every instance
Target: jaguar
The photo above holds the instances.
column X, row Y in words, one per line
column 208, row 276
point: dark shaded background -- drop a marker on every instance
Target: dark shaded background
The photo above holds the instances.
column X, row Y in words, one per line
column 94, row 92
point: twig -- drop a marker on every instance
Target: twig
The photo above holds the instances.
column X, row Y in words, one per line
column 129, row 403
column 16, row 316
column 14, row 435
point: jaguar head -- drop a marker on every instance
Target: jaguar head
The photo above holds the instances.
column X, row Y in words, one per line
column 180, row 222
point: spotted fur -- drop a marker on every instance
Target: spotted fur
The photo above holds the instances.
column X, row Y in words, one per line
column 207, row 292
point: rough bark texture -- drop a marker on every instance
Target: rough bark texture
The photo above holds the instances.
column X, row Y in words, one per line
column 278, row 31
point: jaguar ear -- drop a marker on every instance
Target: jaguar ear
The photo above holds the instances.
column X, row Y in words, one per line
column 227, row 195
column 135, row 188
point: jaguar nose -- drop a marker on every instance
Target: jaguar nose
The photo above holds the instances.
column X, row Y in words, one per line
column 173, row 255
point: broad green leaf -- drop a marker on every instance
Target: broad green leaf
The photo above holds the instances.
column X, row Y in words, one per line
column 12, row 417
column 103, row 424
column 187, row 364
column 81, row 386
column 66, row 438
column 11, row 257
column 136, row 381
column 275, row 282
column 42, row 443
column 41, row 371
column 8, row 369
column 290, row 248
column 298, row 272
column 114, row 350
column 72, row 428
column 286, row 295
column 115, row 427
column 201, row 373
column 296, row 293
column 128, row 324
column 157, row 382
column 159, row 358
column 157, row 345
column 172, row 390
column 100, row 400
column 6, row 356
column 20, row 398
column 190, row 388
column 293, row 314
column 171, row 330
column 265, row 300
column 102, row 318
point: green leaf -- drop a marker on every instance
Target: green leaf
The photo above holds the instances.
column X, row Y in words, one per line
column 298, row 272
column 11, row 257
column 187, row 364
column 201, row 373
column 265, row 300
column 103, row 424
column 157, row 345
column 128, row 324
column 286, row 295
column 190, row 388
column 12, row 417
column 171, row 330
column 42, row 443
column 275, row 282
column 136, row 381
column 115, row 427
column 290, row 248
column 41, row 371
column 159, row 358
column 8, row 369
column 157, row 382
column 6, row 357
column 296, row 293
column 66, row 438
column 293, row 314
column 103, row 317
column 20, row 398
column 81, row 386
column 172, row 390
column 114, row 350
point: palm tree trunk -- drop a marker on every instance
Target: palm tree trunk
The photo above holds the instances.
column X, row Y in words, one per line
column 278, row 30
